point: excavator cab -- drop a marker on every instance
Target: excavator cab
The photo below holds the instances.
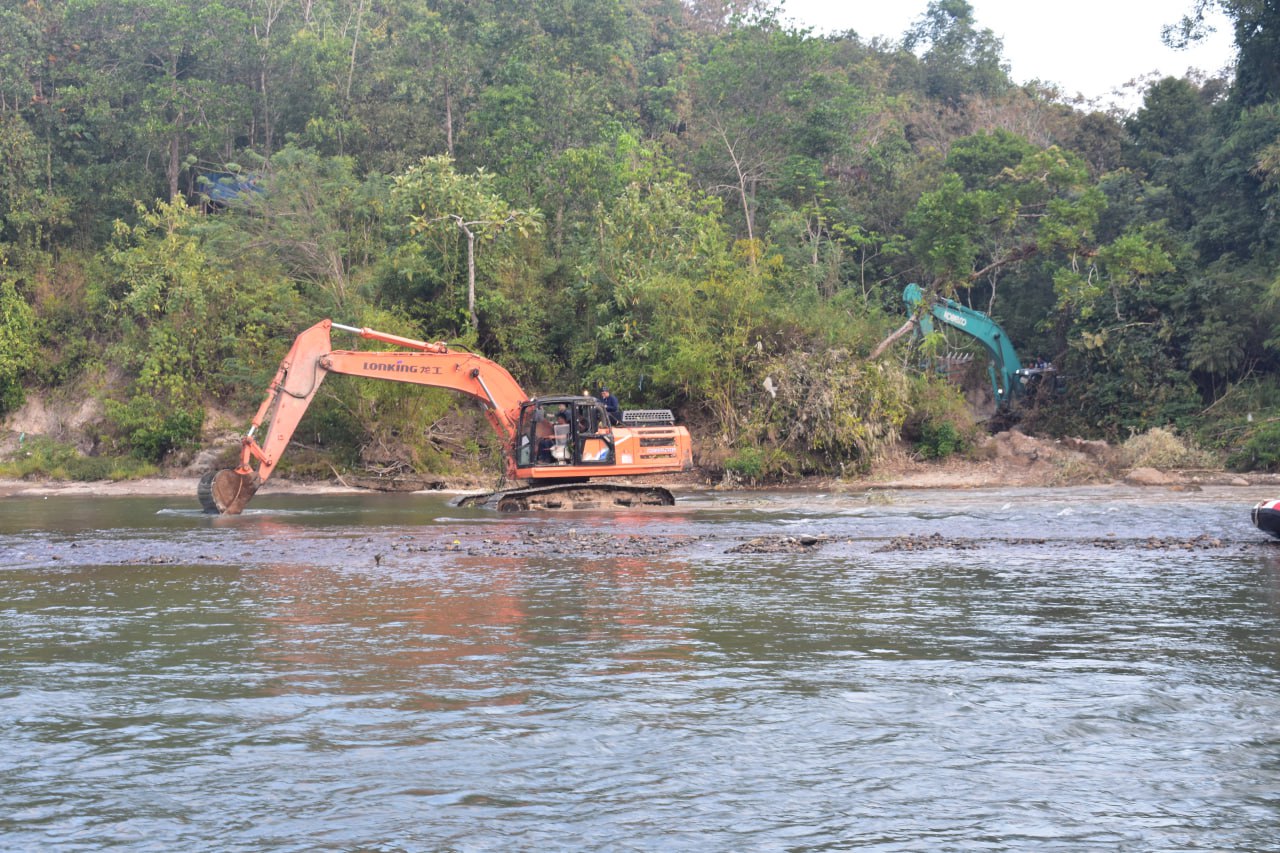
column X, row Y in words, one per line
column 1041, row 379
column 555, row 431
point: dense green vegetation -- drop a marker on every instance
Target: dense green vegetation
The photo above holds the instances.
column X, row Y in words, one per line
column 685, row 201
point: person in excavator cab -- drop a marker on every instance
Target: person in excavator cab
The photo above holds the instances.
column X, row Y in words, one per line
column 556, row 437
column 543, row 434
column 612, row 407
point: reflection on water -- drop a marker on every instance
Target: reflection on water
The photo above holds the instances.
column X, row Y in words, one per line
column 396, row 674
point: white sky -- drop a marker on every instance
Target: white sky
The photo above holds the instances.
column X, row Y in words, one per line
column 1088, row 47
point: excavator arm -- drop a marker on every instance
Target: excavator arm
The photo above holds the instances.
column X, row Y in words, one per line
column 1005, row 363
column 305, row 366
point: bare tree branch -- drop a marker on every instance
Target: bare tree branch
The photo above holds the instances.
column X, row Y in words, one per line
column 892, row 339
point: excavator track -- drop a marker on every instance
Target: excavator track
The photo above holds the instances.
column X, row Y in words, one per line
column 226, row 492
column 572, row 496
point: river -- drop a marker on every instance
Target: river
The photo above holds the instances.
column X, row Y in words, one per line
column 1052, row 669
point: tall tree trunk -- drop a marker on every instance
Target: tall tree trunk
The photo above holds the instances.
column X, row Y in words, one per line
column 355, row 43
column 448, row 120
column 471, row 276
column 173, row 169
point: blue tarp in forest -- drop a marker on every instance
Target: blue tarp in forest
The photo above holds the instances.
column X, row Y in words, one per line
column 224, row 187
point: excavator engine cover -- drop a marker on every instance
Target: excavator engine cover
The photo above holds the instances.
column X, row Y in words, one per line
column 226, row 492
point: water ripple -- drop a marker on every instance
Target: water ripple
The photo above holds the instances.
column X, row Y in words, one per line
column 348, row 679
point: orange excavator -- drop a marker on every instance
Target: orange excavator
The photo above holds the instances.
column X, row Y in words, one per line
column 553, row 445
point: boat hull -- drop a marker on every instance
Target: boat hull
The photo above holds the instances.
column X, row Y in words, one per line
column 1266, row 517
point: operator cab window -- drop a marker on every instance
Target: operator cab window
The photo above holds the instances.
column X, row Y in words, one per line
column 564, row 431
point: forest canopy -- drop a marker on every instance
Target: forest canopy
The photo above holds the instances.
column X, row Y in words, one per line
column 687, row 201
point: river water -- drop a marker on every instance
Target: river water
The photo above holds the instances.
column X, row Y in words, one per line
column 1069, row 669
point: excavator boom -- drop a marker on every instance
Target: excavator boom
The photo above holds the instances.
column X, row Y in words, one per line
column 589, row 446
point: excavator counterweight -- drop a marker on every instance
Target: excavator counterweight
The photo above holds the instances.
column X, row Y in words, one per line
column 555, row 443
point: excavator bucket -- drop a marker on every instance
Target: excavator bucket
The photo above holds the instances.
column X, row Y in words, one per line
column 226, row 492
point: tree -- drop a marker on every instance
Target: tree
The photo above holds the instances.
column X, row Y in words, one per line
column 160, row 62
column 973, row 228
column 960, row 60
column 168, row 304
column 269, row 22
column 1257, row 38
column 559, row 77
column 441, row 202
column 427, row 78
column 17, row 338
column 314, row 215
column 30, row 210
column 1234, row 209
column 762, row 96
column 659, row 266
column 1166, row 144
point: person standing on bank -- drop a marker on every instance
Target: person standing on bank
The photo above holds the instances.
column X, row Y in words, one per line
column 611, row 407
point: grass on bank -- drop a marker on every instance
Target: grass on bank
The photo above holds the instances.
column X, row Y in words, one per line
column 1164, row 449
column 43, row 458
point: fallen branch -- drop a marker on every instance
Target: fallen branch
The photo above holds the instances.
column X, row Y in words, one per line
column 889, row 341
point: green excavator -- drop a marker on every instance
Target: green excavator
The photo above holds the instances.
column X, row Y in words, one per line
column 1010, row 381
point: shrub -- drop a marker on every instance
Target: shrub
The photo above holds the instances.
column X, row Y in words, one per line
column 1260, row 451
column 44, row 457
column 748, row 464
column 940, row 422
column 151, row 430
column 831, row 412
column 939, row 439
column 1162, row 448
column 17, row 341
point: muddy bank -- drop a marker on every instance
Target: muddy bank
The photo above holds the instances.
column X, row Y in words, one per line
column 419, row 546
column 1013, row 459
